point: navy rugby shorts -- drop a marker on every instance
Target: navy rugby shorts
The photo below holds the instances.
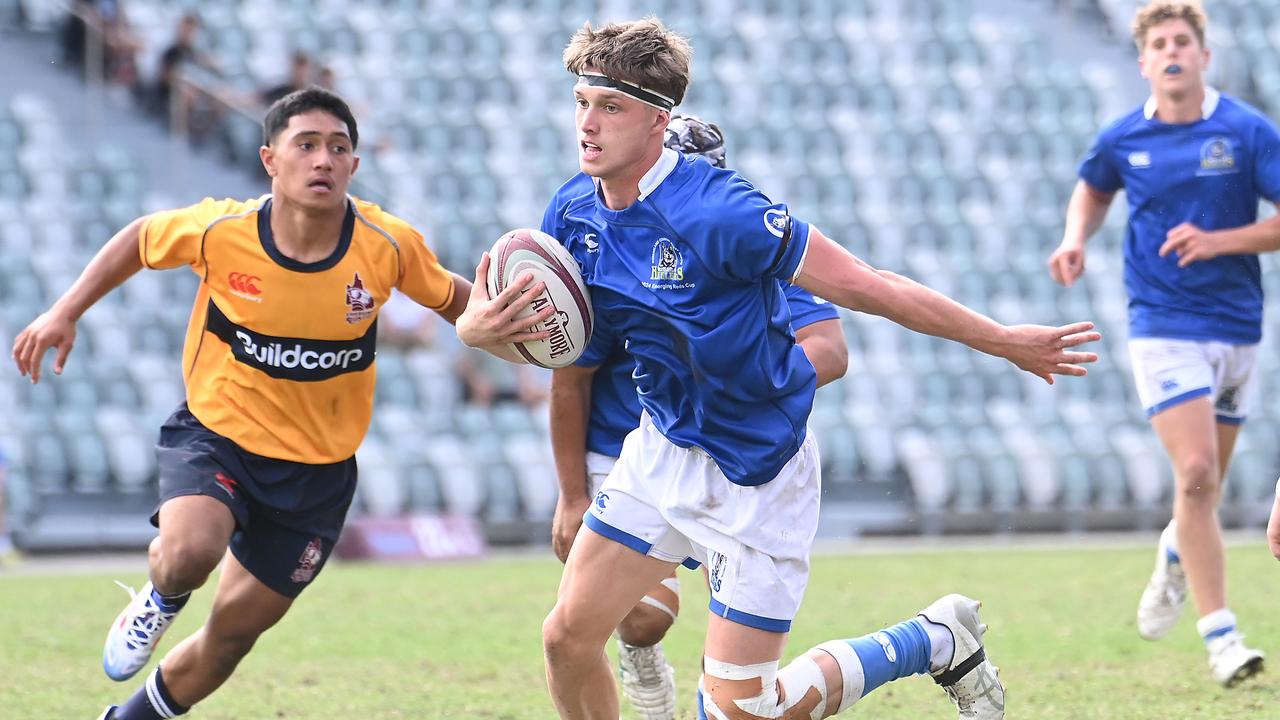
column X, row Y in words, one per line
column 288, row 514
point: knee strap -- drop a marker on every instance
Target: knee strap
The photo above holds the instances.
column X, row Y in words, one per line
column 672, row 584
column 850, row 669
column 803, row 691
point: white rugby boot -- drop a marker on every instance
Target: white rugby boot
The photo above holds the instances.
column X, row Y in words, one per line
column 648, row 681
column 970, row 680
column 135, row 634
column 1231, row 660
column 1166, row 593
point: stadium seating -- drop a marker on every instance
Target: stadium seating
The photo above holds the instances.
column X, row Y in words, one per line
column 926, row 135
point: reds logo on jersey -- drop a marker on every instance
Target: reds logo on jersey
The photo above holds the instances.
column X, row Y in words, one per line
column 359, row 300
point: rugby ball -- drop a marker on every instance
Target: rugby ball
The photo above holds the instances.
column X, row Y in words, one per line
column 524, row 250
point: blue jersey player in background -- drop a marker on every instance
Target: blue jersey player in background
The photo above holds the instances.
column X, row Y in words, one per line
column 1194, row 164
column 686, row 263
column 595, row 406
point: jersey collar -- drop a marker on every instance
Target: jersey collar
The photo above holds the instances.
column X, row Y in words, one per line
column 659, row 172
column 1211, row 97
column 650, row 181
column 268, row 240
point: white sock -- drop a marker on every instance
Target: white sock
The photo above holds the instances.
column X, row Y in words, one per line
column 942, row 645
column 1216, row 622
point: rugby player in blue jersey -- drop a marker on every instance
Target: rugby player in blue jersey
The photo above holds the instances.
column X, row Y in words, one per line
column 1194, row 164
column 595, row 406
column 686, row 263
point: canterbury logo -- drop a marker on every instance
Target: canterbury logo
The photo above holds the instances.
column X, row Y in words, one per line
column 245, row 283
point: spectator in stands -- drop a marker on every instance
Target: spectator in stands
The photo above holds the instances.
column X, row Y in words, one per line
column 107, row 20
column 1194, row 164
column 487, row 380
column 299, row 77
column 326, row 78
column 183, row 105
column 405, row 325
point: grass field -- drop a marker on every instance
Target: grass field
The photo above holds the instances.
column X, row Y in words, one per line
column 462, row 640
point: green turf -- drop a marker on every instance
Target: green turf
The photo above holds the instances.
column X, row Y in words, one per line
column 462, row 640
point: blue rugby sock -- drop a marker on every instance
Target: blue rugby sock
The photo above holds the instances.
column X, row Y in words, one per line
column 151, row 702
column 892, row 653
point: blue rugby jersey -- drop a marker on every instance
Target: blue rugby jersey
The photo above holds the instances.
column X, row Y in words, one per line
column 615, row 407
column 1210, row 173
column 688, row 277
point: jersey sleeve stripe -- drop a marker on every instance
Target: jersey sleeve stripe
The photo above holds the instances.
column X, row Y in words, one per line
column 146, row 227
column 804, row 255
column 205, row 235
column 387, row 235
column 448, row 296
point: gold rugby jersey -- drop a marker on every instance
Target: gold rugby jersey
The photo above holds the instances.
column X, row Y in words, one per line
column 279, row 354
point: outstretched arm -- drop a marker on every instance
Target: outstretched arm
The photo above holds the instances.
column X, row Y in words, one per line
column 1085, row 213
column 116, row 262
column 833, row 273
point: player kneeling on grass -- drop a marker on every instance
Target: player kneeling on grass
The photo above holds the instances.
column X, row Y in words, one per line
column 594, row 406
column 687, row 263
column 258, row 463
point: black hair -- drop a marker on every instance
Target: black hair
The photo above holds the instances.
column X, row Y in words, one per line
column 306, row 100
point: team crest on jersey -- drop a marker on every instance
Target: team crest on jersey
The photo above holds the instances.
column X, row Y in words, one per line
column 359, row 301
column 308, row 562
column 668, row 263
column 1217, row 157
column 777, row 221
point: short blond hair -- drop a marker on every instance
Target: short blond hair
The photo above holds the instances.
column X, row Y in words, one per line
column 1156, row 12
column 641, row 52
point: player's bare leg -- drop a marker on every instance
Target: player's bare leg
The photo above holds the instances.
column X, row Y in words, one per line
column 1200, row 449
column 741, row 677
column 603, row 580
column 649, row 621
column 648, row 680
column 194, row 532
column 243, row 609
column 1227, row 435
column 1189, row 433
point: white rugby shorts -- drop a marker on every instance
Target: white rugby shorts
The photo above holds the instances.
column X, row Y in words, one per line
column 1169, row 372
column 676, row 505
column 599, row 466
